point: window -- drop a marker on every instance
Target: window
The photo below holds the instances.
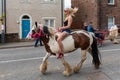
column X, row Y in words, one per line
column 111, row 2
column 111, row 21
column 49, row 1
column 50, row 22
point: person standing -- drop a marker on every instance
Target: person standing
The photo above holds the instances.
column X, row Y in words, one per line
column 2, row 33
column 37, row 35
column 85, row 26
column 65, row 30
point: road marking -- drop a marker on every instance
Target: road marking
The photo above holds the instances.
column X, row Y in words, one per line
column 8, row 61
column 18, row 60
column 110, row 50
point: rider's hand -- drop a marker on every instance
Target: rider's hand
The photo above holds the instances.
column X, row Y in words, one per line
column 59, row 29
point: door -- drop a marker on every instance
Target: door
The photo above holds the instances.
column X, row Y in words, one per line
column 25, row 27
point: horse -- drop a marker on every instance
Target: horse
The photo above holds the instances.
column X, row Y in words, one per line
column 77, row 39
column 113, row 34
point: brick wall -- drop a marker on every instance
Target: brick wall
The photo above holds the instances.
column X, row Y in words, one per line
column 96, row 11
column 12, row 37
column 88, row 12
column 108, row 11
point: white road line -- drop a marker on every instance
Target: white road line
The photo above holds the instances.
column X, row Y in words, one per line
column 110, row 50
column 18, row 60
column 22, row 59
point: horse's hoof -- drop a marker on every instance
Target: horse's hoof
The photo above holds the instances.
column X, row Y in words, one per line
column 97, row 66
column 43, row 69
column 116, row 42
column 76, row 69
column 66, row 73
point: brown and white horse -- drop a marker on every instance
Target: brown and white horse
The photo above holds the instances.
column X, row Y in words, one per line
column 77, row 39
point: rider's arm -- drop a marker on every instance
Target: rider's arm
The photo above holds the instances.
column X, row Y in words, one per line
column 69, row 23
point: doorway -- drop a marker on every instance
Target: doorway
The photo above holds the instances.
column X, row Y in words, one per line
column 25, row 26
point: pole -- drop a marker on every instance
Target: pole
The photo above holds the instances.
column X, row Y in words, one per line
column 62, row 13
column 3, row 23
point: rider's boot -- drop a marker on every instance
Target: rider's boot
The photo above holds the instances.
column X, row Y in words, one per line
column 60, row 55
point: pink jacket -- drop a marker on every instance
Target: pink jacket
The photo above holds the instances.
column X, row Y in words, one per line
column 37, row 35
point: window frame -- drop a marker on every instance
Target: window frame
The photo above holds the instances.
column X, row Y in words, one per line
column 111, row 3
column 111, row 23
column 49, row 19
column 49, row 1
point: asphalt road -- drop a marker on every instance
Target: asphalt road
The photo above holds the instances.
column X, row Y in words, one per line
column 23, row 64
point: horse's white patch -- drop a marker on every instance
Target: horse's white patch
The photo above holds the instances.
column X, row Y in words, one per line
column 68, row 44
column 46, row 56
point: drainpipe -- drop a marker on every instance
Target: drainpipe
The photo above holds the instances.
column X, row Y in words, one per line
column 0, row 10
column 99, row 4
column 62, row 11
column 5, row 13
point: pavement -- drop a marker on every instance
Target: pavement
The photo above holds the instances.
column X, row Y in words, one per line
column 16, row 44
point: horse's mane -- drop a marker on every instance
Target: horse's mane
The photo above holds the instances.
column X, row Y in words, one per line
column 45, row 30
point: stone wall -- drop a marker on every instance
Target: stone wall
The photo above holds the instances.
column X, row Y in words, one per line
column 13, row 37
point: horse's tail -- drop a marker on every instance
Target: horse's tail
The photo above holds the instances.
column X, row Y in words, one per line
column 95, row 53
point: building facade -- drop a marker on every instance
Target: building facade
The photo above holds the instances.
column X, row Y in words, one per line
column 110, row 13
column 21, row 15
column 103, row 13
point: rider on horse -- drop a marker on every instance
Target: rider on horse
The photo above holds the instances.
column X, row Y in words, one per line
column 65, row 30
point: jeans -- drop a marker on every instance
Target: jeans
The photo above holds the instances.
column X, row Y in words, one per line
column 38, row 40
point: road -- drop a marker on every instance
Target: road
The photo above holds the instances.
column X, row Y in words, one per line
column 23, row 64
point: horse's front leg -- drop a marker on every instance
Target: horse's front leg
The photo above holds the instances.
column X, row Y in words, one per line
column 79, row 65
column 43, row 66
column 68, row 69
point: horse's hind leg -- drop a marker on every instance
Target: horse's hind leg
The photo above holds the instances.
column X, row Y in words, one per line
column 79, row 65
column 43, row 66
column 68, row 69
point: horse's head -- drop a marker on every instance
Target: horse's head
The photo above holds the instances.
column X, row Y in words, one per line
column 49, row 30
column 36, row 28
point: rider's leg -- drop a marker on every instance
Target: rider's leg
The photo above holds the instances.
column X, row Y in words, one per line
column 59, row 40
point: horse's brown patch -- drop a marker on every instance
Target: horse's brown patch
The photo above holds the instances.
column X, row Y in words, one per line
column 81, row 40
column 119, row 30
